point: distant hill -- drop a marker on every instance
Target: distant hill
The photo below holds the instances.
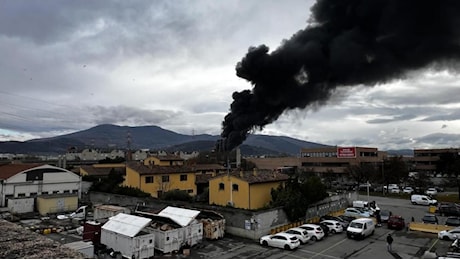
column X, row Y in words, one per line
column 154, row 138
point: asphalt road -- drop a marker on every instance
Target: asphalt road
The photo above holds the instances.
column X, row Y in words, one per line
column 407, row 244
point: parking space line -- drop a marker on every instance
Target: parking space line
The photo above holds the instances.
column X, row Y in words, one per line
column 317, row 254
column 336, row 244
column 429, row 250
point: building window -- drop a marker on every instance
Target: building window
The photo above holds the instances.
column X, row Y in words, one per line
column 221, row 186
column 165, row 178
column 21, row 194
column 44, row 192
column 149, row 179
column 33, row 194
column 55, row 192
column 235, row 187
column 74, row 191
column 183, row 177
column 66, row 191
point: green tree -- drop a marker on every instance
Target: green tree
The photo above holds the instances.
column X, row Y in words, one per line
column 297, row 194
column 449, row 163
column 396, row 170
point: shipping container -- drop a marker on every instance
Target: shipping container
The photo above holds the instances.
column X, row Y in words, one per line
column 126, row 234
column 56, row 203
column 104, row 212
column 21, row 205
column 86, row 248
column 213, row 224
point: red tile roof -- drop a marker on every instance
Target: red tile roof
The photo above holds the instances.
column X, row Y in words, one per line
column 9, row 170
column 261, row 176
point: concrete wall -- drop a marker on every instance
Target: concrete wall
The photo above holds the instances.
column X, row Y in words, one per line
column 243, row 223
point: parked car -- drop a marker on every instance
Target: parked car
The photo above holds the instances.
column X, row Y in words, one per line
column 334, row 226
column 300, row 233
column 448, row 209
column 430, row 218
column 341, row 220
column 394, row 191
column 385, row 215
column 325, row 228
column 354, row 212
column 314, row 230
column 408, row 190
column 431, row 192
column 281, row 240
column 422, row 200
column 396, row 222
column 449, row 234
column 364, row 186
column 453, row 221
column 347, row 218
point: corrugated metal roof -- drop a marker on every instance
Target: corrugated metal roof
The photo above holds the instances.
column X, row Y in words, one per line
column 126, row 224
column 181, row 216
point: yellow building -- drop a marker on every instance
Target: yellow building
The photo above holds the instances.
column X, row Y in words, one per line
column 164, row 160
column 246, row 190
column 156, row 180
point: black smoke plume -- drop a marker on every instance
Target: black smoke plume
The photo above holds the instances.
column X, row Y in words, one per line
column 346, row 43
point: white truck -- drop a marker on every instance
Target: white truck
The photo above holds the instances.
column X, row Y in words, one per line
column 80, row 213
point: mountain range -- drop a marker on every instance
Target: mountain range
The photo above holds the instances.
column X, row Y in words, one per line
column 155, row 138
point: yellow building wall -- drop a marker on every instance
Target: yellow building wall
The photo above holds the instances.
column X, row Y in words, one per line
column 252, row 196
column 134, row 180
column 83, row 172
column 131, row 179
column 55, row 204
column 260, row 194
column 156, row 161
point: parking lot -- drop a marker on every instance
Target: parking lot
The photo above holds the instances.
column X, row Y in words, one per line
column 407, row 244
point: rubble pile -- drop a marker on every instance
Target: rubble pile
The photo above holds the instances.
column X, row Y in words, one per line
column 17, row 242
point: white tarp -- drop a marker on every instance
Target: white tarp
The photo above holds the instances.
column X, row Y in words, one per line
column 126, row 224
column 181, row 216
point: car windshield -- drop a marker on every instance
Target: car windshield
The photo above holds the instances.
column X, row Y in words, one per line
column 429, row 218
column 356, row 225
column 384, row 213
column 293, row 238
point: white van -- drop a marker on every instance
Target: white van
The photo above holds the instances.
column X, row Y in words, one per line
column 361, row 228
column 422, row 200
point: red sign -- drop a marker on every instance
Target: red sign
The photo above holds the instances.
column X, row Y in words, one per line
column 346, row 152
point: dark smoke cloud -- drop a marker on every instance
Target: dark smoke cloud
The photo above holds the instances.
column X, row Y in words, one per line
column 348, row 42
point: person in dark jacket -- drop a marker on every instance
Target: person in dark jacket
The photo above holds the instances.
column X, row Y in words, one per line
column 389, row 242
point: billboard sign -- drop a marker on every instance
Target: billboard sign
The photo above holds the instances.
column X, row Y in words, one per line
column 346, row 152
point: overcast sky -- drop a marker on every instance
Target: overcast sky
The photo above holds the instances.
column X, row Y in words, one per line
column 67, row 66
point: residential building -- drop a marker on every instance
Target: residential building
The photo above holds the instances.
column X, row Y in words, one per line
column 246, row 190
column 270, row 163
column 159, row 174
column 102, row 170
column 32, row 180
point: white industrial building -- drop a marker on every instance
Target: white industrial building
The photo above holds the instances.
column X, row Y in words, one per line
column 32, row 180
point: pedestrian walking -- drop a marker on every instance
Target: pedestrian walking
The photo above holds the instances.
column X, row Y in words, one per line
column 389, row 242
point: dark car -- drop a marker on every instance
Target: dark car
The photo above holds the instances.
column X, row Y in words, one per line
column 430, row 218
column 448, row 209
column 453, row 221
column 347, row 218
column 396, row 222
column 342, row 221
column 385, row 215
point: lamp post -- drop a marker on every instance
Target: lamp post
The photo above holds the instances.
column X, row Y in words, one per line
column 383, row 176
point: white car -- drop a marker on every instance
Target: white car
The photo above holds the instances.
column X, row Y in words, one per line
column 431, row 192
column 408, row 190
column 394, row 190
column 315, row 231
column 300, row 233
column 353, row 212
column 280, row 240
column 334, row 226
column 449, row 234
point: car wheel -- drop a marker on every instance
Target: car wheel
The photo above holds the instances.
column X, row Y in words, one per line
column 287, row 247
column 264, row 243
column 333, row 231
column 372, row 232
column 314, row 238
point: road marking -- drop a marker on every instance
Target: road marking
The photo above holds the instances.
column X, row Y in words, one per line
column 314, row 253
column 429, row 250
column 336, row 244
